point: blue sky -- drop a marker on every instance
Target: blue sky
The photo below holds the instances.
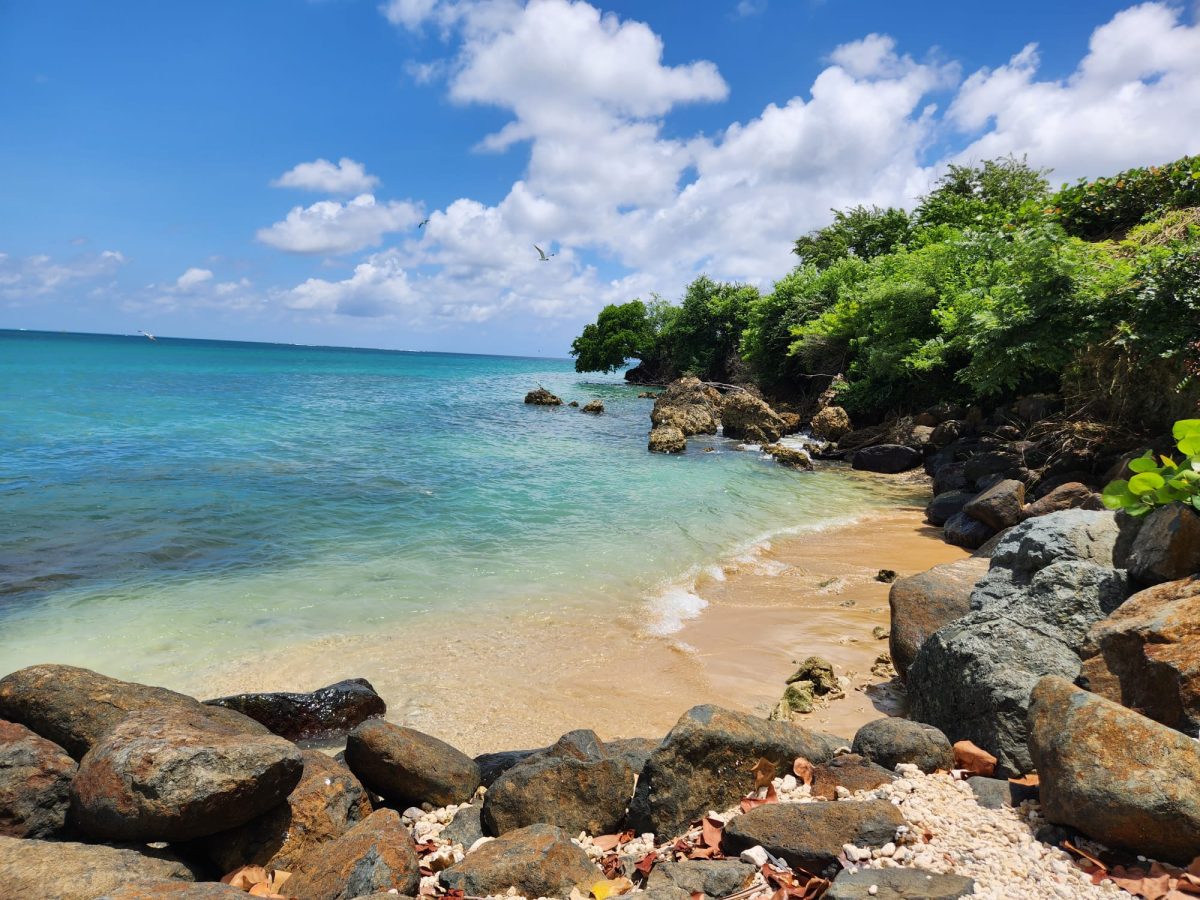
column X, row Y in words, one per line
column 146, row 149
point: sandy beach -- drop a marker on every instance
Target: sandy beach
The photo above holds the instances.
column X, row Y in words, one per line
column 529, row 677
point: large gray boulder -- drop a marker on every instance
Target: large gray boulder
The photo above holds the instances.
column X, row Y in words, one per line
column 923, row 603
column 705, row 763
column 1167, row 546
column 539, row 861
column 35, row 783
column 811, row 835
column 408, row 767
column 32, row 869
column 1115, row 775
column 174, row 776
column 74, row 707
column 1094, row 535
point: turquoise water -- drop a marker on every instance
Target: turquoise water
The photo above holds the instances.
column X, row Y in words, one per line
column 163, row 502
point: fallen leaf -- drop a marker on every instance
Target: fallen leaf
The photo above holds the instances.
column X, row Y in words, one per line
column 1026, row 780
column 974, row 759
column 607, row 842
column 245, row 877
column 1071, row 848
column 748, row 803
column 703, row 853
column 803, row 770
column 711, row 831
column 646, row 863
column 764, row 773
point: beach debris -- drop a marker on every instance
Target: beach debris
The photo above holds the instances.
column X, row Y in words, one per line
column 258, row 881
column 887, row 576
column 973, row 760
column 879, row 633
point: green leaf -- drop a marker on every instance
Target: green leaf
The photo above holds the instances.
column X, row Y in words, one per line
column 1190, row 444
column 1184, row 427
column 1146, row 482
column 1143, row 463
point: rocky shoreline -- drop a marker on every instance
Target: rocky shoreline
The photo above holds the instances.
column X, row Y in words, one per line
column 1054, row 680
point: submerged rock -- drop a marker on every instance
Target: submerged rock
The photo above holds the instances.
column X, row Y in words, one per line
column 375, row 856
column 687, row 406
column 410, row 768
column 704, row 763
column 542, row 397
column 788, row 456
column 538, row 861
column 1117, row 776
column 35, row 783
column 173, row 776
column 593, row 406
column 70, row 871
column 74, row 707
column 327, row 712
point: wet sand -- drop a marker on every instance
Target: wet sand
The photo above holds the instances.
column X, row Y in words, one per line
column 526, row 678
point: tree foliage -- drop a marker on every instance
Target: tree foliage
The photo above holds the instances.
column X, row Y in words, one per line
column 861, row 232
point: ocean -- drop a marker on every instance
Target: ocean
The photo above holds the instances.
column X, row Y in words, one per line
column 170, row 507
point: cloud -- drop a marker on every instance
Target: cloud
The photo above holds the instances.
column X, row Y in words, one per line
column 192, row 278
column 1133, row 100
column 322, row 176
column 747, row 8
column 23, row 278
column 330, row 226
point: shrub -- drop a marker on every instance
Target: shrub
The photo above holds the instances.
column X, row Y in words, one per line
column 1107, row 206
column 859, row 232
column 1157, row 483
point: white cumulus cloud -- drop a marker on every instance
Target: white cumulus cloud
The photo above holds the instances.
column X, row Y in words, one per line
column 344, row 177
column 330, row 226
column 27, row 277
column 192, row 278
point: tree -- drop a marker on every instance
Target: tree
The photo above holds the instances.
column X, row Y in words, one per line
column 860, row 232
column 983, row 196
column 703, row 336
column 620, row 333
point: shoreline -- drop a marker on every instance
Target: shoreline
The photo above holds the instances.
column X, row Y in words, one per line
column 533, row 675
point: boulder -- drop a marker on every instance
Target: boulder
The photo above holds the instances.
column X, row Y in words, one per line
column 886, row 458
column 575, row 794
column 539, row 861
column 990, row 462
column 943, row 506
column 1150, row 645
column 375, row 856
column 831, row 423
column 963, row 530
column 465, row 828
column 172, row 775
column 811, row 835
column 686, row 406
column 35, row 783
column 595, row 407
column 1070, row 534
column 745, row 417
column 791, row 421
column 493, row 765
column 73, row 707
column 892, row 741
column 1000, row 506
column 1167, row 546
column 1117, row 776
column 326, row 803
column 946, row 433
column 972, row 680
column 667, row 439
column 329, row 712
column 950, row 477
column 31, row 869
column 1072, row 495
column 634, row 751
column 704, row 763
column 711, row 877
column 792, row 457
column 991, row 793
column 850, row 771
column 897, row 884
column 542, row 397
column 410, row 768
column 923, row 603
column 176, row 890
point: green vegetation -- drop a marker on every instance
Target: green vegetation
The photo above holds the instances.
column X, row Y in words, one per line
column 992, row 287
column 1157, row 483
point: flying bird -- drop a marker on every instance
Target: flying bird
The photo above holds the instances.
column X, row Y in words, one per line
column 149, row 335
column 542, row 257
column 423, row 223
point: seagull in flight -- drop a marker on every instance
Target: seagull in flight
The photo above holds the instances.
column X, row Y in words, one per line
column 423, row 223
column 542, row 257
column 149, row 335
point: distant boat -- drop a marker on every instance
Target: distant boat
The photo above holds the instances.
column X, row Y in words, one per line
column 149, row 335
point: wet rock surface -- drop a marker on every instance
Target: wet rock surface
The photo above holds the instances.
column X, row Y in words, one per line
column 539, row 861
column 667, row 439
column 35, row 783
column 542, row 397
column 171, row 775
column 376, row 855
column 327, row 712
column 410, row 768
column 705, row 761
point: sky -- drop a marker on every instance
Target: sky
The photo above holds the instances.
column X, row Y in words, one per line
column 261, row 169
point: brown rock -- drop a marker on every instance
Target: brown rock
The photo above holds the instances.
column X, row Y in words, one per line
column 921, row 604
column 791, row 421
column 35, row 783
column 408, row 767
column 542, row 397
column 593, row 406
column 1167, row 546
column 539, row 861
column 667, row 439
column 1072, row 495
column 788, row 456
column 73, row 707
column 375, row 856
column 999, row 506
column 850, row 771
column 831, row 423
column 745, row 417
column 686, row 405
column 575, row 794
column 1151, row 646
column 169, row 775
column 176, row 890
column 1117, row 776
column 327, row 802
column 328, row 712
column 61, row 870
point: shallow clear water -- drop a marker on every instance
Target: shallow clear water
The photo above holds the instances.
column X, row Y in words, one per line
column 166, row 504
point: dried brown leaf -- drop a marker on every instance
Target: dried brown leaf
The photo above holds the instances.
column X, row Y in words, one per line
column 803, row 770
column 711, row 831
column 764, row 773
column 974, row 759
